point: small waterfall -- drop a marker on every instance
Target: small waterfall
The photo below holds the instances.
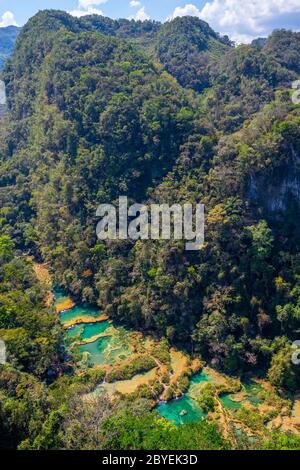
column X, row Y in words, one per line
column 3, row 106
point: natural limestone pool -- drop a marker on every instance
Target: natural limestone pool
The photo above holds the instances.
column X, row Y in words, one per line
column 84, row 331
column 100, row 340
column 78, row 313
column 103, row 343
column 187, row 409
column 104, row 351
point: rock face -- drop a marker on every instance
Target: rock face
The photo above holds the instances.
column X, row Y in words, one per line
column 2, row 98
column 276, row 192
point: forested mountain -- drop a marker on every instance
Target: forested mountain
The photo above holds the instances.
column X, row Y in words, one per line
column 164, row 113
column 8, row 38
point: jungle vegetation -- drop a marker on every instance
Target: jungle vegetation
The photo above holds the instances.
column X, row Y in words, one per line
column 164, row 113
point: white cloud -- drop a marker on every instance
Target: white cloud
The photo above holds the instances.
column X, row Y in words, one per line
column 135, row 3
column 8, row 19
column 140, row 15
column 187, row 10
column 87, row 7
column 246, row 20
column 88, row 11
column 85, row 4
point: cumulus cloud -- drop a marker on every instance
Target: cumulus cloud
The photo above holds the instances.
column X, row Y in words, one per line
column 8, row 19
column 85, row 4
column 135, row 3
column 140, row 15
column 87, row 7
column 245, row 20
column 88, row 11
column 187, row 10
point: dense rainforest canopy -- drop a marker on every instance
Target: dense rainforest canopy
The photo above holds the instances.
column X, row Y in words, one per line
column 164, row 113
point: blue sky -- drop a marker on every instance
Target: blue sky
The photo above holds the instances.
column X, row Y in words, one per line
column 242, row 20
column 156, row 9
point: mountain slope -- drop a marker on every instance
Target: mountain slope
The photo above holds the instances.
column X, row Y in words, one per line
column 8, row 37
column 94, row 115
column 186, row 46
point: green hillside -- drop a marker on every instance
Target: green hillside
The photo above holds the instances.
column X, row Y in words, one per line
column 167, row 113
